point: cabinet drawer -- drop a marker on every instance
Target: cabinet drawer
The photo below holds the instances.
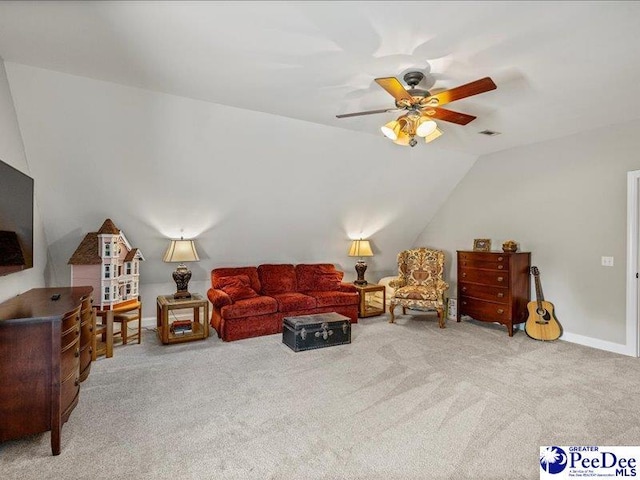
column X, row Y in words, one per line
column 485, row 292
column 70, row 337
column 491, row 263
column 70, row 361
column 69, row 390
column 487, row 311
column 485, row 277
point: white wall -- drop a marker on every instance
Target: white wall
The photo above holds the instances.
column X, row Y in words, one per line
column 565, row 201
column 250, row 187
column 12, row 153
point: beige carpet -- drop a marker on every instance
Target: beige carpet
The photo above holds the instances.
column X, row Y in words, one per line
column 404, row 401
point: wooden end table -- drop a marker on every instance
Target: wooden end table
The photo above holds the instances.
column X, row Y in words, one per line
column 367, row 307
column 200, row 330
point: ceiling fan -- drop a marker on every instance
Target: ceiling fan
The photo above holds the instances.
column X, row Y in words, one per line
column 422, row 108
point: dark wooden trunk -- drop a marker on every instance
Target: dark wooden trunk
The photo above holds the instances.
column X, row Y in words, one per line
column 308, row 332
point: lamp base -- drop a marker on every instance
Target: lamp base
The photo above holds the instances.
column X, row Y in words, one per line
column 361, row 267
column 181, row 276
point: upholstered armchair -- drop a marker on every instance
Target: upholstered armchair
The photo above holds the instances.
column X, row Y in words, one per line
column 419, row 283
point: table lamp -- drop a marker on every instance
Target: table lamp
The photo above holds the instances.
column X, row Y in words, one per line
column 181, row 251
column 360, row 248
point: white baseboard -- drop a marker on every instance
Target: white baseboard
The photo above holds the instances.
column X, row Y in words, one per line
column 599, row 344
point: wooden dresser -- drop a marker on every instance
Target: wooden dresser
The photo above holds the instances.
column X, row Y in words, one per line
column 40, row 361
column 494, row 286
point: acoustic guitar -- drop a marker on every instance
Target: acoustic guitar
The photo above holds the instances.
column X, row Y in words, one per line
column 541, row 323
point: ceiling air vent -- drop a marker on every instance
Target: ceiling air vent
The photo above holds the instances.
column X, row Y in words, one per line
column 489, row 133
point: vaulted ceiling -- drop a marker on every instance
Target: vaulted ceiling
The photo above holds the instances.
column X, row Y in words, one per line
column 560, row 67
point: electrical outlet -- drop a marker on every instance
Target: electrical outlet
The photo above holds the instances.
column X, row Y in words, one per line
column 607, row 261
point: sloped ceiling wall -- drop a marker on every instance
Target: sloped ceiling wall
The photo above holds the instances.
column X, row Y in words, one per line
column 250, row 187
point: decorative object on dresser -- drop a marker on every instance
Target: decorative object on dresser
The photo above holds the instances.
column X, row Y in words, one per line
column 40, row 349
column 494, row 286
column 176, row 331
column 360, row 248
column 420, row 282
column 181, row 251
column 308, row 332
column 106, row 261
column 482, row 245
column 541, row 323
column 370, row 304
column 510, row 246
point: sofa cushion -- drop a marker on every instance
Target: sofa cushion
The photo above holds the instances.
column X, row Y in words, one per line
column 289, row 302
column 318, row 277
column 277, row 278
column 330, row 299
column 260, row 305
column 251, row 272
column 238, row 287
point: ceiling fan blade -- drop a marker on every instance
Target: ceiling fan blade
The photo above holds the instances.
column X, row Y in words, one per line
column 448, row 115
column 463, row 91
column 395, row 88
column 369, row 112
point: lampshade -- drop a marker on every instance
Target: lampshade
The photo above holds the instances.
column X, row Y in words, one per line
column 433, row 135
column 426, row 126
column 181, row 251
column 391, row 129
column 360, row 248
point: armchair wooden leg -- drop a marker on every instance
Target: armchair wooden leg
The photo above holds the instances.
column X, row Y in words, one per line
column 441, row 317
column 392, row 307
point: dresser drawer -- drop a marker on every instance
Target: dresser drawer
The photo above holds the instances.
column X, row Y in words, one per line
column 70, row 360
column 484, row 260
column 69, row 390
column 483, row 310
column 485, row 277
column 485, row 292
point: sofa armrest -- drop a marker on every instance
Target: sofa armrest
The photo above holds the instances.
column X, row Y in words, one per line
column 348, row 287
column 218, row 298
column 397, row 283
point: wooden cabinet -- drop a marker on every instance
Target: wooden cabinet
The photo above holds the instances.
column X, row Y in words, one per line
column 40, row 361
column 494, row 286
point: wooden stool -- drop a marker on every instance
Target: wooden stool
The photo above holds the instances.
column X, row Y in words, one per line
column 129, row 313
column 104, row 330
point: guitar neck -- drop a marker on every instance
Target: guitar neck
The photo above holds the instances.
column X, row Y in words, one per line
column 539, row 296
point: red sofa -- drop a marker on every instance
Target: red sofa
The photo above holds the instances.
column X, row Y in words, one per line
column 252, row 301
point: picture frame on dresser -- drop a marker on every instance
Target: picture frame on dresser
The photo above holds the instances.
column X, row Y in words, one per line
column 482, row 245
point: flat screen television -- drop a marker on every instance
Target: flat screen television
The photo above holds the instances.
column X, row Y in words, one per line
column 16, row 220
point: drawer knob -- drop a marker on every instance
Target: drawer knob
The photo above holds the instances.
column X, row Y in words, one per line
column 500, row 311
column 500, row 259
column 464, row 303
column 77, row 333
column 77, row 353
column 500, row 267
column 77, row 382
column 500, row 295
column 500, row 279
column 464, row 274
column 464, row 289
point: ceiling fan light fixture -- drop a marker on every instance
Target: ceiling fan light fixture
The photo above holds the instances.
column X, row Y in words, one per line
column 391, row 130
column 403, row 139
column 425, row 127
column 433, row 135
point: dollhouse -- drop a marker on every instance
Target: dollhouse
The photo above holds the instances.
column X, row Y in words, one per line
column 106, row 261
